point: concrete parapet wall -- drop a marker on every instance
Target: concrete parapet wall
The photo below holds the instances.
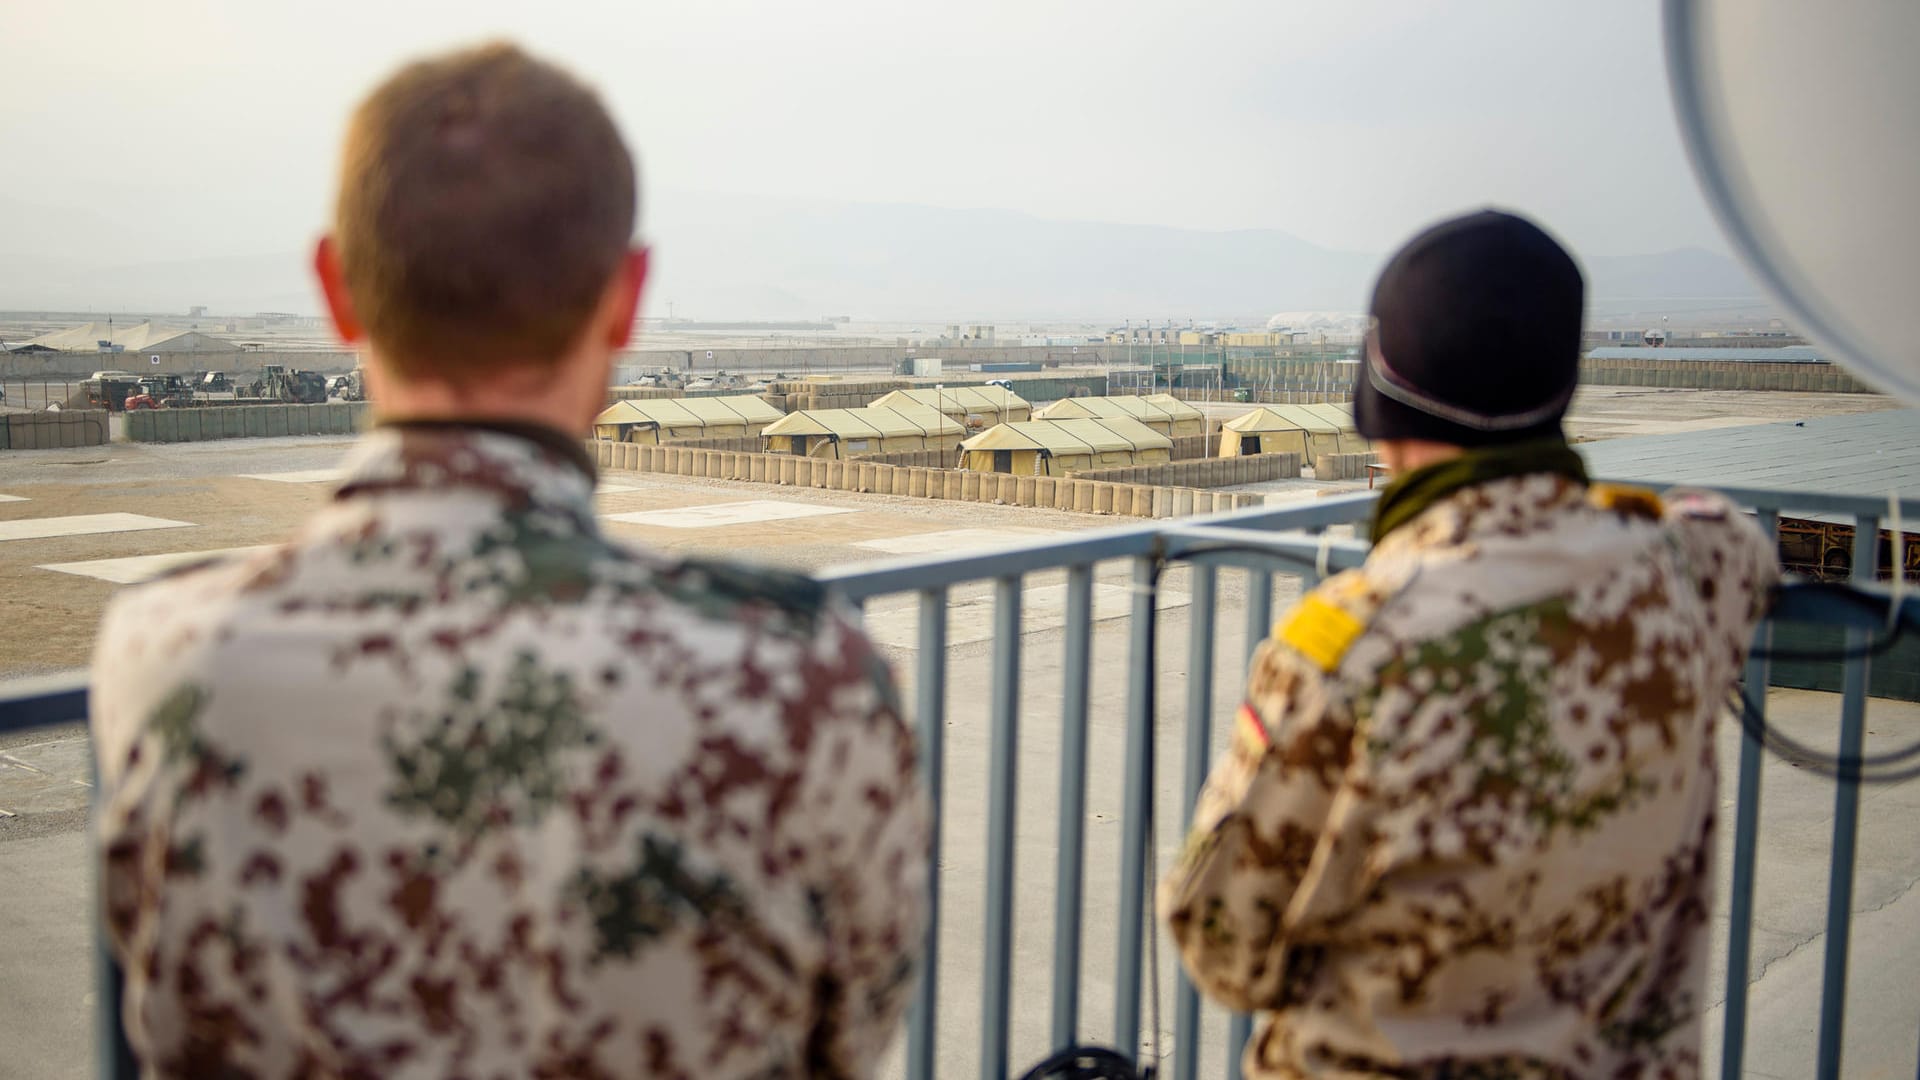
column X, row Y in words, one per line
column 1721, row 375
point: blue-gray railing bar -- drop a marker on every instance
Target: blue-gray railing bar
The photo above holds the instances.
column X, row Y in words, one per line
column 1194, row 762
column 1846, row 815
column 1746, row 846
column 911, row 574
column 1259, row 622
column 996, row 969
column 930, row 714
column 1136, row 787
column 43, row 700
column 1070, row 867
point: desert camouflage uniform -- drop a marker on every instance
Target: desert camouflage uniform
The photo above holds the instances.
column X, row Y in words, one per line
column 452, row 786
column 1465, row 828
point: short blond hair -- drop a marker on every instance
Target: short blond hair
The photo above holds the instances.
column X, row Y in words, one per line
column 486, row 201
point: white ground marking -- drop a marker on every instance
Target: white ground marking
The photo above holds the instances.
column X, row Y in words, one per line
column 896, row 620
column 300, row 476
column 139, row 568
column 719, row 514
column 13, row 498
column 83, row 525
column 954, row 540
column 605, row 488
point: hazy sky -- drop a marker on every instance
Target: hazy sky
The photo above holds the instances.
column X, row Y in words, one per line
column 213, row 125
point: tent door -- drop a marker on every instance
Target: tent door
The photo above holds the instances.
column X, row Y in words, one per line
column 799, row 444
column 1003, row 461
column 1249, row 444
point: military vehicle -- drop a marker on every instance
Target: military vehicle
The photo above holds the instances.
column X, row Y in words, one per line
column 160, row 392
column 277, row 383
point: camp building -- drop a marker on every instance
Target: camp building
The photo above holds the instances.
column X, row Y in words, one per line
column 1307, row 430
column 975, row 406
column 1059, row 447
column 1164, row 413
column 845, row 433
column 660, row 420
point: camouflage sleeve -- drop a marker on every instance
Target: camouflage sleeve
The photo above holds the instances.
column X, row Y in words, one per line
column 1731, row 564
column 865, row 806
column 120, row 697
column 1260, row 819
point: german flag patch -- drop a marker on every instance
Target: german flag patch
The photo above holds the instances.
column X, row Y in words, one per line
column 1250, row 733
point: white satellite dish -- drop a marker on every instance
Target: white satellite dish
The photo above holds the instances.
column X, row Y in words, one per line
column 1803, row 123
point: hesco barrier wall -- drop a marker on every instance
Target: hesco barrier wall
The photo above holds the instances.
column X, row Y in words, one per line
column 246, row 422
column 53, row 430
column 1721, row 375
column 1343, row 466
column 1204, row 473
column 1044, row 492
column 78, row 365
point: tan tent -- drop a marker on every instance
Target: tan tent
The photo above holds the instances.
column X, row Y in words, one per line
column 1326, row 431
column 846, row 433
column 659, row 420
column 1059, row 447
column 1263, row 431
column 1164, row 413
column 975, row 406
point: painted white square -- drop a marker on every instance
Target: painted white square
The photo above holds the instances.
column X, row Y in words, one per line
column 605, row 488
column 13, row 498
column 299, row 476
column 720, row 514
column 895, row 621
column 138, row 568
column 953, row 540
column 84, row 525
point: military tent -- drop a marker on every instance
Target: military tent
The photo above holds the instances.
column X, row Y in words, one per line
column 1164, row 413
column 975, row 406
column 846, row 433
column 1058, row 447
column 658, row 420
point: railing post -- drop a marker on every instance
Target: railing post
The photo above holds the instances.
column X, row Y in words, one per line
column 996, row 973
column 930, row 714
column 1259, row 624
column 1746, row 835
column 1070, row 870
column 1846, row 815
column 1133, row 820
column 1186, row 1008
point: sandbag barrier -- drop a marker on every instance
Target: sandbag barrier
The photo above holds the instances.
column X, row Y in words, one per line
column 246, row 421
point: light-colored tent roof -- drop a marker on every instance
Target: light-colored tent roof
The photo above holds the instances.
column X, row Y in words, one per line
column 1067, row 437
column 1151, row 407
column 974, row 398
column 1339, row 417
column 867, row 423
column 132, row 337
column 691, row 412
column 1259, row 420
column 1303, row 418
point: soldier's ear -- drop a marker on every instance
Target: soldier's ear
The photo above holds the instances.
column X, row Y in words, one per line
column 625, row 291
column 333, row 286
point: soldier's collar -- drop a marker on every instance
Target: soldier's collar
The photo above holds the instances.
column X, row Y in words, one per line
column 552, row 440
column 1412, row 492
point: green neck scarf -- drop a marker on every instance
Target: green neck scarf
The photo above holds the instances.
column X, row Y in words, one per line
column 1407, row 495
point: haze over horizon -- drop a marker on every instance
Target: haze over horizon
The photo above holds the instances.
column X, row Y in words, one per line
column 1012, row 160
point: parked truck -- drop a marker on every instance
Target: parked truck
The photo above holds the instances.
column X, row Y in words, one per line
column 293, row 387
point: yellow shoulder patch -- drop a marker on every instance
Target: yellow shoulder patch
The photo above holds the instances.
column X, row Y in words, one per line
column 1319, row 630
column 1626, row 499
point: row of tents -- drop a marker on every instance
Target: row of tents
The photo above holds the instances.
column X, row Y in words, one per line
column 1008, row 434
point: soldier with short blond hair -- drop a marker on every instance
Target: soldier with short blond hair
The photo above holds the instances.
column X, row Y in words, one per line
column 451, row 785
column 1465, row 828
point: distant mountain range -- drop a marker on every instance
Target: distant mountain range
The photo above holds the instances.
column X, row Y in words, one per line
column 736, row 257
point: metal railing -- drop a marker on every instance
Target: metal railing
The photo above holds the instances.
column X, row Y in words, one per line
column 1289, row 541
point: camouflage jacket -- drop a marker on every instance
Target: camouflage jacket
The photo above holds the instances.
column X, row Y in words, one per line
column 452, row 786
column 1465, row 825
